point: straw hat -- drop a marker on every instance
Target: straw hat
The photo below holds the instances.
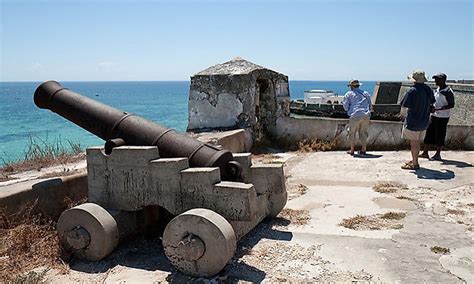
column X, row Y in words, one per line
column 418, row 76
column 354, row 83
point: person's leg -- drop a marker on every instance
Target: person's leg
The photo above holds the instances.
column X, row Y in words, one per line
column 415, row 137
column 406, row 136
column 352, row 150
column 364, row 133
column 415, row 150
column 441, row 127
column 357, row 131
column 425, row 154
column 351, row 135
column 429, row 138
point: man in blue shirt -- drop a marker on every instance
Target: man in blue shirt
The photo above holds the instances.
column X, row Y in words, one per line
column 417, row 104
column 358, row 106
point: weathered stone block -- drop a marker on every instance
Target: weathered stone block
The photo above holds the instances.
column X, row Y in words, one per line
column 232, row 140
column 166, row 182
column 199, row 178
column 121, row 180
column 241, row 228
column 201, row 188
column 245, row 160
column 268, row 178
column 235, row 200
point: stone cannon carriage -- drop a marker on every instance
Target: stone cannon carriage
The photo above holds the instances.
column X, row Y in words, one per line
column 214, row 197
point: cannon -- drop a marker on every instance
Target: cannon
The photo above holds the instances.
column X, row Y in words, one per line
column 119, row 128
column 137, row 188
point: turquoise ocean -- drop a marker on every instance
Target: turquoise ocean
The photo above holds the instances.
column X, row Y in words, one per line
column 163, row 102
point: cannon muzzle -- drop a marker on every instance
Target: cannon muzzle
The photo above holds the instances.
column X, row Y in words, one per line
column 122, row 128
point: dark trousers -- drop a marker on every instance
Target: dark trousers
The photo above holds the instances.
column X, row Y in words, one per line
column 436, row 132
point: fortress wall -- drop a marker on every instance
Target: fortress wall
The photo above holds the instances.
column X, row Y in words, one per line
column 383, row 135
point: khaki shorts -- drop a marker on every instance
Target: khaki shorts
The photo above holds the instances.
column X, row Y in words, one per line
column 413, row 135
column 359, row 125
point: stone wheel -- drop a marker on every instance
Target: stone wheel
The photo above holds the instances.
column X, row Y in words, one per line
column 276, row 203
column 199, row 242
column 89, row 231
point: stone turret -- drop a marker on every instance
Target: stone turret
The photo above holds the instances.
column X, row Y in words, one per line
column 238, row 94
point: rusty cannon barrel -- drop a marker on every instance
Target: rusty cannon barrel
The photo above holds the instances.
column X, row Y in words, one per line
column 117, row 127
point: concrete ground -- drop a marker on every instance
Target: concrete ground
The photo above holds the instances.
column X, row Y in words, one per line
column 433, row 242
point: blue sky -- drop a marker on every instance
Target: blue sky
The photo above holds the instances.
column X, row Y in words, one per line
column 171, row 40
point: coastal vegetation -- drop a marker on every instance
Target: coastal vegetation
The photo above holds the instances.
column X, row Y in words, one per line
column 41, row 153
column 316, row 145
column 29, row 242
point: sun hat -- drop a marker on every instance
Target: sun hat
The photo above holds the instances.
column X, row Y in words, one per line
column 418, row 76
column 440, row 75
column 354, row 83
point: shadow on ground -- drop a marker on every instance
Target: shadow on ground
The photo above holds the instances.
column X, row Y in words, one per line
column 424, row 173
column 147, row 254
column 367, row 156
column 457, row 164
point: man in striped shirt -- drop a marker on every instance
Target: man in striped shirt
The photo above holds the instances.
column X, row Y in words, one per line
column 436, row 133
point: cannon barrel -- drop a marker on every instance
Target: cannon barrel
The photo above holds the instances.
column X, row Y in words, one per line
column 112, row 125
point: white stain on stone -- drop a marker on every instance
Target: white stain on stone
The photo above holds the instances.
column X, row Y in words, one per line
column 202, row 114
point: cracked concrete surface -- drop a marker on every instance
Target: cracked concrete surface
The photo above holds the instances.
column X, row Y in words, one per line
column 439, row 202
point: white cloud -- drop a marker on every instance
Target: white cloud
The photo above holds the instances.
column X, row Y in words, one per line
column 108, row 66
column 36, row 68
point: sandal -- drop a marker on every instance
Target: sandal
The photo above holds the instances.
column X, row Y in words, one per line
column 410, row 166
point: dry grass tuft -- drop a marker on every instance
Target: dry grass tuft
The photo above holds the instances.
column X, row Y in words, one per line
column 440, row 250
column 394, row 215
column 354, row 222
column 297, row 217
column 42, row 153
column 456, row 211
column 389, row 187
column 28, row 241
column 406, row 198
column 316, row 145
column 301, row 189
column 32, row 277
column 296, row 190
column 69, row 203
column 374, row 222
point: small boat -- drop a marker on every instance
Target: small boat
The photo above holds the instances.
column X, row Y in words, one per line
column 321, row 97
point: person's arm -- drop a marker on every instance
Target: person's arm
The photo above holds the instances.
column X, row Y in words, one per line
column 403, row 112
column 406, row 103
column 371, row 108
column 433, row 101
column 345, row 102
